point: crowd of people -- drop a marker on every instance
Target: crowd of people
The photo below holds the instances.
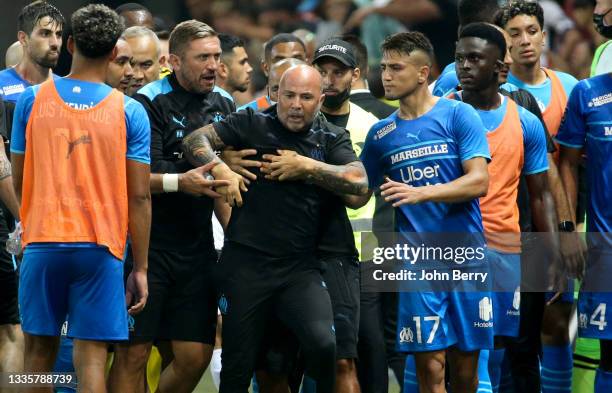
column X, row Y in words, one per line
column 163, row 215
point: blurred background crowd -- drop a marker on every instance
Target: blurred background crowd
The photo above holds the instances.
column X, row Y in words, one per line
column 572, row 38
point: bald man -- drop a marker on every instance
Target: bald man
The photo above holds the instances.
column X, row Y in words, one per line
column 272, row 271
column 146, row 56
column 13, row 55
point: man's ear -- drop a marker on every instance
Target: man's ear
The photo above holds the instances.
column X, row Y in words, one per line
column 22, row 37
column 70, row 45
column 113, row 54
column 356, row 75
column 162, row 60
column 174, row 61
column 424, row 74
column 264, row 68
column 222, row 71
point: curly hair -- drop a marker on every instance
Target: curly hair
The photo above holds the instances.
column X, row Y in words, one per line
column 32, row 13
column 95, row 30
column 408, row 42
column 520, row 7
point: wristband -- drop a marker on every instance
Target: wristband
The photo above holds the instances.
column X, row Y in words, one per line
column 170, row 182
column 567, row 226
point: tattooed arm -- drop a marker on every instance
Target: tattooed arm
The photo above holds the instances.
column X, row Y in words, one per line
column 199, row 148
column 7, row 191
column 350, row 178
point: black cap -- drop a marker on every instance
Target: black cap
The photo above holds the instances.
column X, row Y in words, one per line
column 336, row 49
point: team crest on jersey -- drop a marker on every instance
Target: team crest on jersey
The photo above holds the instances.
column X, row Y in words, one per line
column 582, row 321
column 406, row 335
column 317, row 153
column 385, row 130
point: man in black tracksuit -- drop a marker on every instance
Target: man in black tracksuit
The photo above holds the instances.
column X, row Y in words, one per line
column 182, row 297
column 269, row 266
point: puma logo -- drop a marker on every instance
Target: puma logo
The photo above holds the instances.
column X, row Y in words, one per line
column 83, row 139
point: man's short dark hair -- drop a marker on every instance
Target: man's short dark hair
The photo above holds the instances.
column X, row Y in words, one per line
column 32, row 13
column 131, row 7
column 280, row 39
column 361, row 53
column 488, row 33
column 95, row 30
column 521, row 7
column 408, row 42
column 228, row 43
column 471, row 11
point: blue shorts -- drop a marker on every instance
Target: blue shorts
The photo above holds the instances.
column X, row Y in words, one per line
column 506, row 272
column 431, row 321
column 595, row 298
column 83, row 286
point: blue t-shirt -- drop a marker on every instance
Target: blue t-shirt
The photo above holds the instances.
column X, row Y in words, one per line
column 534, row 140
column 428, row 150
column 12, row 85
column 542, row 92
column 446, row 82
column 83, row 95
column 588, row 123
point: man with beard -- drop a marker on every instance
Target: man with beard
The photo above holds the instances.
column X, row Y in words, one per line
column 182, row 308
column 40, row 35
column 272, row 270
column 234, row 73
column 335, row 60
column 119, row 73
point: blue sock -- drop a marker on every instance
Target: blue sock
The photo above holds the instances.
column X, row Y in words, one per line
column 484, row 382
column 603, row 381
column 411, row 384
column 557, row 366
column 496, row 357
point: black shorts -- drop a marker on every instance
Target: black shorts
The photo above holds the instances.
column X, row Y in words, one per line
column 341, row 274
column 182, row 298
column 9, row 307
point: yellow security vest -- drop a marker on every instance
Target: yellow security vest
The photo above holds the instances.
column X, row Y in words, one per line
column 359, row 123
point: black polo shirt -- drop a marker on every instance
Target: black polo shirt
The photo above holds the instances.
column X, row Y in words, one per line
column 281, row 219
